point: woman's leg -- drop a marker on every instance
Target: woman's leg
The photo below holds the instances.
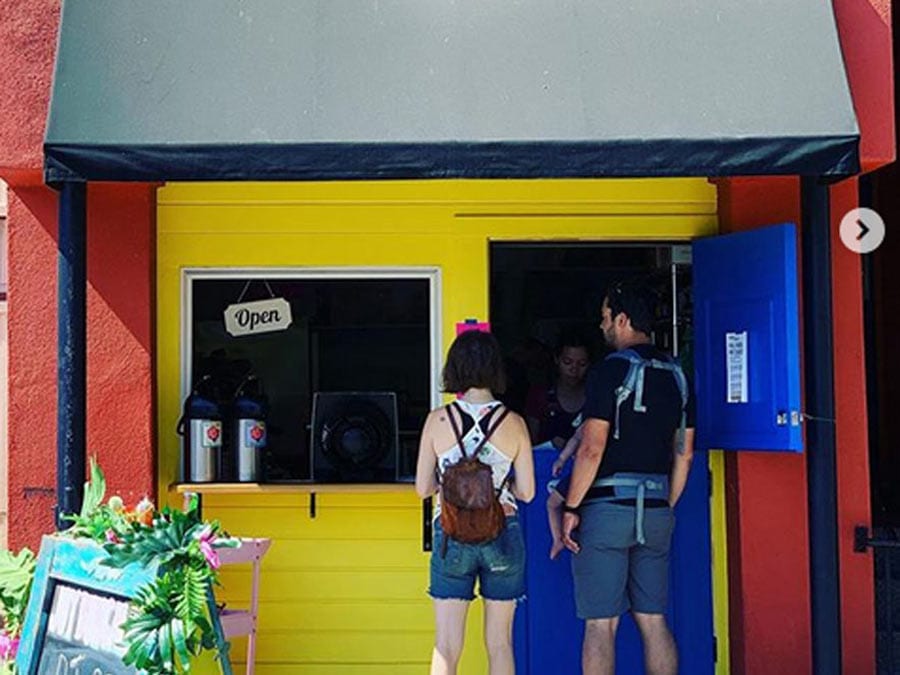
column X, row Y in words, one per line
column 498, row 620
column 450, row 629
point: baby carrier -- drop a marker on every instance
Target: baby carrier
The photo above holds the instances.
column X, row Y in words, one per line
column 641, row 486
column 470, row 506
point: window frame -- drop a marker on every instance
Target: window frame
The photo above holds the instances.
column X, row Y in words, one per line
column 430, row 274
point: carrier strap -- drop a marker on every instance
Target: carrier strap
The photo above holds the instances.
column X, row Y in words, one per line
column 634, row 384
column 637, row 486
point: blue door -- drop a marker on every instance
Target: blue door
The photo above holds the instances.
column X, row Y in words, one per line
column 747, row 344
column 547, row 633
column 747, row 383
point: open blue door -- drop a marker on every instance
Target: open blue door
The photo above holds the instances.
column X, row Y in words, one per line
column 747, row 342
column 548, row 634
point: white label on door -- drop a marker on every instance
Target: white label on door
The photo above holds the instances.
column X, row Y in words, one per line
column 736, row 367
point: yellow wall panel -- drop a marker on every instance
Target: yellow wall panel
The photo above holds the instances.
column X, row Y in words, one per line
column 344, row 592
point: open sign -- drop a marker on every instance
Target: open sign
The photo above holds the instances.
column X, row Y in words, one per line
column 261, row 316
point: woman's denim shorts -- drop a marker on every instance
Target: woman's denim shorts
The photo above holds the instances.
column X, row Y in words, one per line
column 499, row 566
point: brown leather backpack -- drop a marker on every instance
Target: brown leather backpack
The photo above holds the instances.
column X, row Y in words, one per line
column 470, row 506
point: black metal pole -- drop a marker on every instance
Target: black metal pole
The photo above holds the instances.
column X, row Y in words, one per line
column 71, row 349
column 818, row 345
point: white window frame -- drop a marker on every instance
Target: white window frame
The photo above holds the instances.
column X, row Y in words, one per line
column 431, row 274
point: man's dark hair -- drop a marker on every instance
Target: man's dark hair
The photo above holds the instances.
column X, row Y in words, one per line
column 635, row 300
column 474, row 360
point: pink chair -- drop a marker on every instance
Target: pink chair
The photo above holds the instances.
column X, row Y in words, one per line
column 237, row 622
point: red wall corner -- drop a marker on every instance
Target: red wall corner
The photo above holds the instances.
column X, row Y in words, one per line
column 768, row 535
column 866, row 38
column 120, row 408
column 28, row 31
column 857, row 583
column 766, row 498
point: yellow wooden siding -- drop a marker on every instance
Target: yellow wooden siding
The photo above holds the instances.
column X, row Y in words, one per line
column 344, row 592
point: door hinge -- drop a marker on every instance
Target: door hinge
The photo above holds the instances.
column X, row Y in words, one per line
column 709, row 477
column 715, row 649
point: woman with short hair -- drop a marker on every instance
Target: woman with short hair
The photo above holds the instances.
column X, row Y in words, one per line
column 476, row 422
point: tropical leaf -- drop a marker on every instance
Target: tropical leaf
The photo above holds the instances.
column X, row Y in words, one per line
column 191, row 601
column 94, row 490
column 16, row 575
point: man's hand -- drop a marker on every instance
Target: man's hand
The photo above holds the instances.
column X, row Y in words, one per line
column 570, row 523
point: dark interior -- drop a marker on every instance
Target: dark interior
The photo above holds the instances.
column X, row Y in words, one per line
column 347, row 335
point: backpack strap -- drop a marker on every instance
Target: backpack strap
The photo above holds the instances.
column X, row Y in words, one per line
column 491, row 430
column 453, row 423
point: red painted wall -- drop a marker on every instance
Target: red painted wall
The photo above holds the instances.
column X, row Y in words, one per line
column 766, row 499
column 766, row 493
column 853, row 477
column 121, row 248
column 864, row 27
column 120, row 415
column 27, row 50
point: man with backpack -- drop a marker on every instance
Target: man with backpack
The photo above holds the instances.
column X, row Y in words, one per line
column 630, row 469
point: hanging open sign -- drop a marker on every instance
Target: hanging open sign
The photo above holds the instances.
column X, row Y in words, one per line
column 260, row 316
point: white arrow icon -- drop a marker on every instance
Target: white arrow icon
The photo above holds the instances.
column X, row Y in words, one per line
column 862, row 230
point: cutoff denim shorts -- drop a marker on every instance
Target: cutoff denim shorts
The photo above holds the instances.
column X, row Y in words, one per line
column 499, row 566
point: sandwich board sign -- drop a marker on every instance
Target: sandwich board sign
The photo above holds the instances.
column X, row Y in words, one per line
column 76, row 610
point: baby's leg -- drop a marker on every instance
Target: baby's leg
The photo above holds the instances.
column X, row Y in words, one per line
column 554, row 518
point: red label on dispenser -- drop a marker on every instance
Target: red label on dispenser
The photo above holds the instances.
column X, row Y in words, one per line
column 212, row 434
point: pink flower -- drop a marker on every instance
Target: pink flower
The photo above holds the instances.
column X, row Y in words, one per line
column 112, row 537
column 206, row 548
column 8, row 646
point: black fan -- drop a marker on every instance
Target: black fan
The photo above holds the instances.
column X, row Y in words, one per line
column 354, row 437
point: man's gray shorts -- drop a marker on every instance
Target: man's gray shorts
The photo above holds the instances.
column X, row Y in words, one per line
column 613, row 573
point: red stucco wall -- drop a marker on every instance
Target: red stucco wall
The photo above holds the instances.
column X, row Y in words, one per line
column 768, row 535
column 853, row 477
column 766, row 498
column 121, row 246
column 27, row 50
column 865, row 33
column 120, row 419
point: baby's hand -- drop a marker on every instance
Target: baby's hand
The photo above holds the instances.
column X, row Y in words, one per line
column 557, row 467
column 555, row 548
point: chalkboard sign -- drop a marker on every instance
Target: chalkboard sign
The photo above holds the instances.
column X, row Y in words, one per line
column 76, row 610
column 83, row 634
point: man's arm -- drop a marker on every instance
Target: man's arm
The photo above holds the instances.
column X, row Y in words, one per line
column 587, row 461
column 681, row 466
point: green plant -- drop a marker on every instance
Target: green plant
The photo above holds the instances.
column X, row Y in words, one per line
column 169, row 622
column 16, row 576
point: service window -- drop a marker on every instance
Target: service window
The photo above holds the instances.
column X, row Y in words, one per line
column 356, row 333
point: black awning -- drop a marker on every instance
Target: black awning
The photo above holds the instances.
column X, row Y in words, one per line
column 366, row 89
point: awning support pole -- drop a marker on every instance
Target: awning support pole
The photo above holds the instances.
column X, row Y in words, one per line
column 71, row 350
column 818, row 343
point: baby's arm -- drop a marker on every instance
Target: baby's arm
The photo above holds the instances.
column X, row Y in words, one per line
column 554, row 518
column 569, row 450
